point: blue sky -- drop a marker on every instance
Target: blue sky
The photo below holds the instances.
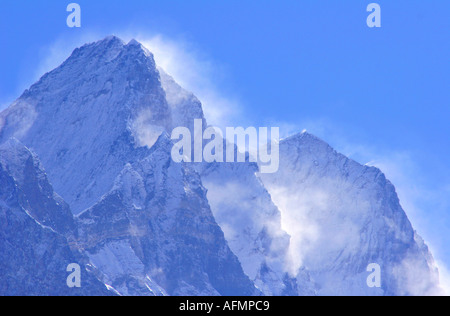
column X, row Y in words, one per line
column 378, row 95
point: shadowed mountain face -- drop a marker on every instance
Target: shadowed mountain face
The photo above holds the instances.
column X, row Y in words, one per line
column 155, row 228
column 36, row 230
column 145, row 225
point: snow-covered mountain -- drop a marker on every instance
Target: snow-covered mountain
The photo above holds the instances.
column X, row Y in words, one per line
column 144, row 225
column 154, row 231
column 81, row 117
column 343, row 216
column 242, row 207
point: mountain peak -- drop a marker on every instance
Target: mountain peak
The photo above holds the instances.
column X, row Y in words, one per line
column 108, row 41
column 99, row 125
column 114, row 44
column 305, row 138
column 103, row 102
column 133, row 42
column 135, row 46
column 111, row 38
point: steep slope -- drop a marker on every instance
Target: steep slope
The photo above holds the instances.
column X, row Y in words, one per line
column 155, row 234
column 242, row 207
column 36, row 228
column 107, row 109
column 104, row 103
column 82, row 118
column 343, row 216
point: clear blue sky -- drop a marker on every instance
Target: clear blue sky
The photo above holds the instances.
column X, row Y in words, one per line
column 310, row 64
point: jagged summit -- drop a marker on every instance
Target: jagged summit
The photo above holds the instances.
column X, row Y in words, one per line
column 99, row 123
column 320, row 152
column 305, row 137
column 300, row 135
column 85, row 118
column 343, row 216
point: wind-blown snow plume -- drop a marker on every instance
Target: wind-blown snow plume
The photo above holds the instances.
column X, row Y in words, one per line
column 196, row 73
column 343, row 216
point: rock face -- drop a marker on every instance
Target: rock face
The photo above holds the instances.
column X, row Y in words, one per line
column 81, row 117
column 343, row 216
column 144, row 225
column 241, row 206
column 155, row 231
column 36, row 229
column 144, row 222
